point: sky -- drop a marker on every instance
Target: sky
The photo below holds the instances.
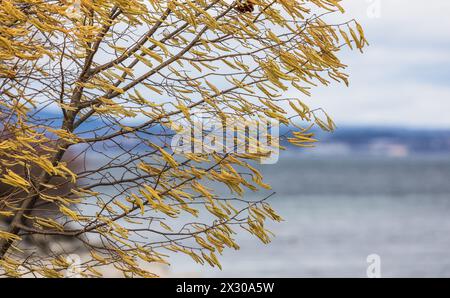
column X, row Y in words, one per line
column 403, row 78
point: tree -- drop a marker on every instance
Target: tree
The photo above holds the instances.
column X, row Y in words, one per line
column 102, row 84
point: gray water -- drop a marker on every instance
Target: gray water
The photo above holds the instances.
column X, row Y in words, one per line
column 339, row 211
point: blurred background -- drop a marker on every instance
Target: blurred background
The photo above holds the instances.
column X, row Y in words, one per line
column 381, row 183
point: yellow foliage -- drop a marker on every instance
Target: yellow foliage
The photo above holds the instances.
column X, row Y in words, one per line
column 118, row 75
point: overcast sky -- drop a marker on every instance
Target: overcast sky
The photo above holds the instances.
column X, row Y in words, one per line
column 403, row 78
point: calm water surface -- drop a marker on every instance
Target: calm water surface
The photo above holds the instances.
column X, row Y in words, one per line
column 339, row 211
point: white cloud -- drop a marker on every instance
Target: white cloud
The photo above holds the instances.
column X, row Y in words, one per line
column 404, row 76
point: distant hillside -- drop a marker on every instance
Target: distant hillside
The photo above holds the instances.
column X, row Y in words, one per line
column 351, row 140
column 390, row 140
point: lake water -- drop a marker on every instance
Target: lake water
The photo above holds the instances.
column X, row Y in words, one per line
column 338, row 211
